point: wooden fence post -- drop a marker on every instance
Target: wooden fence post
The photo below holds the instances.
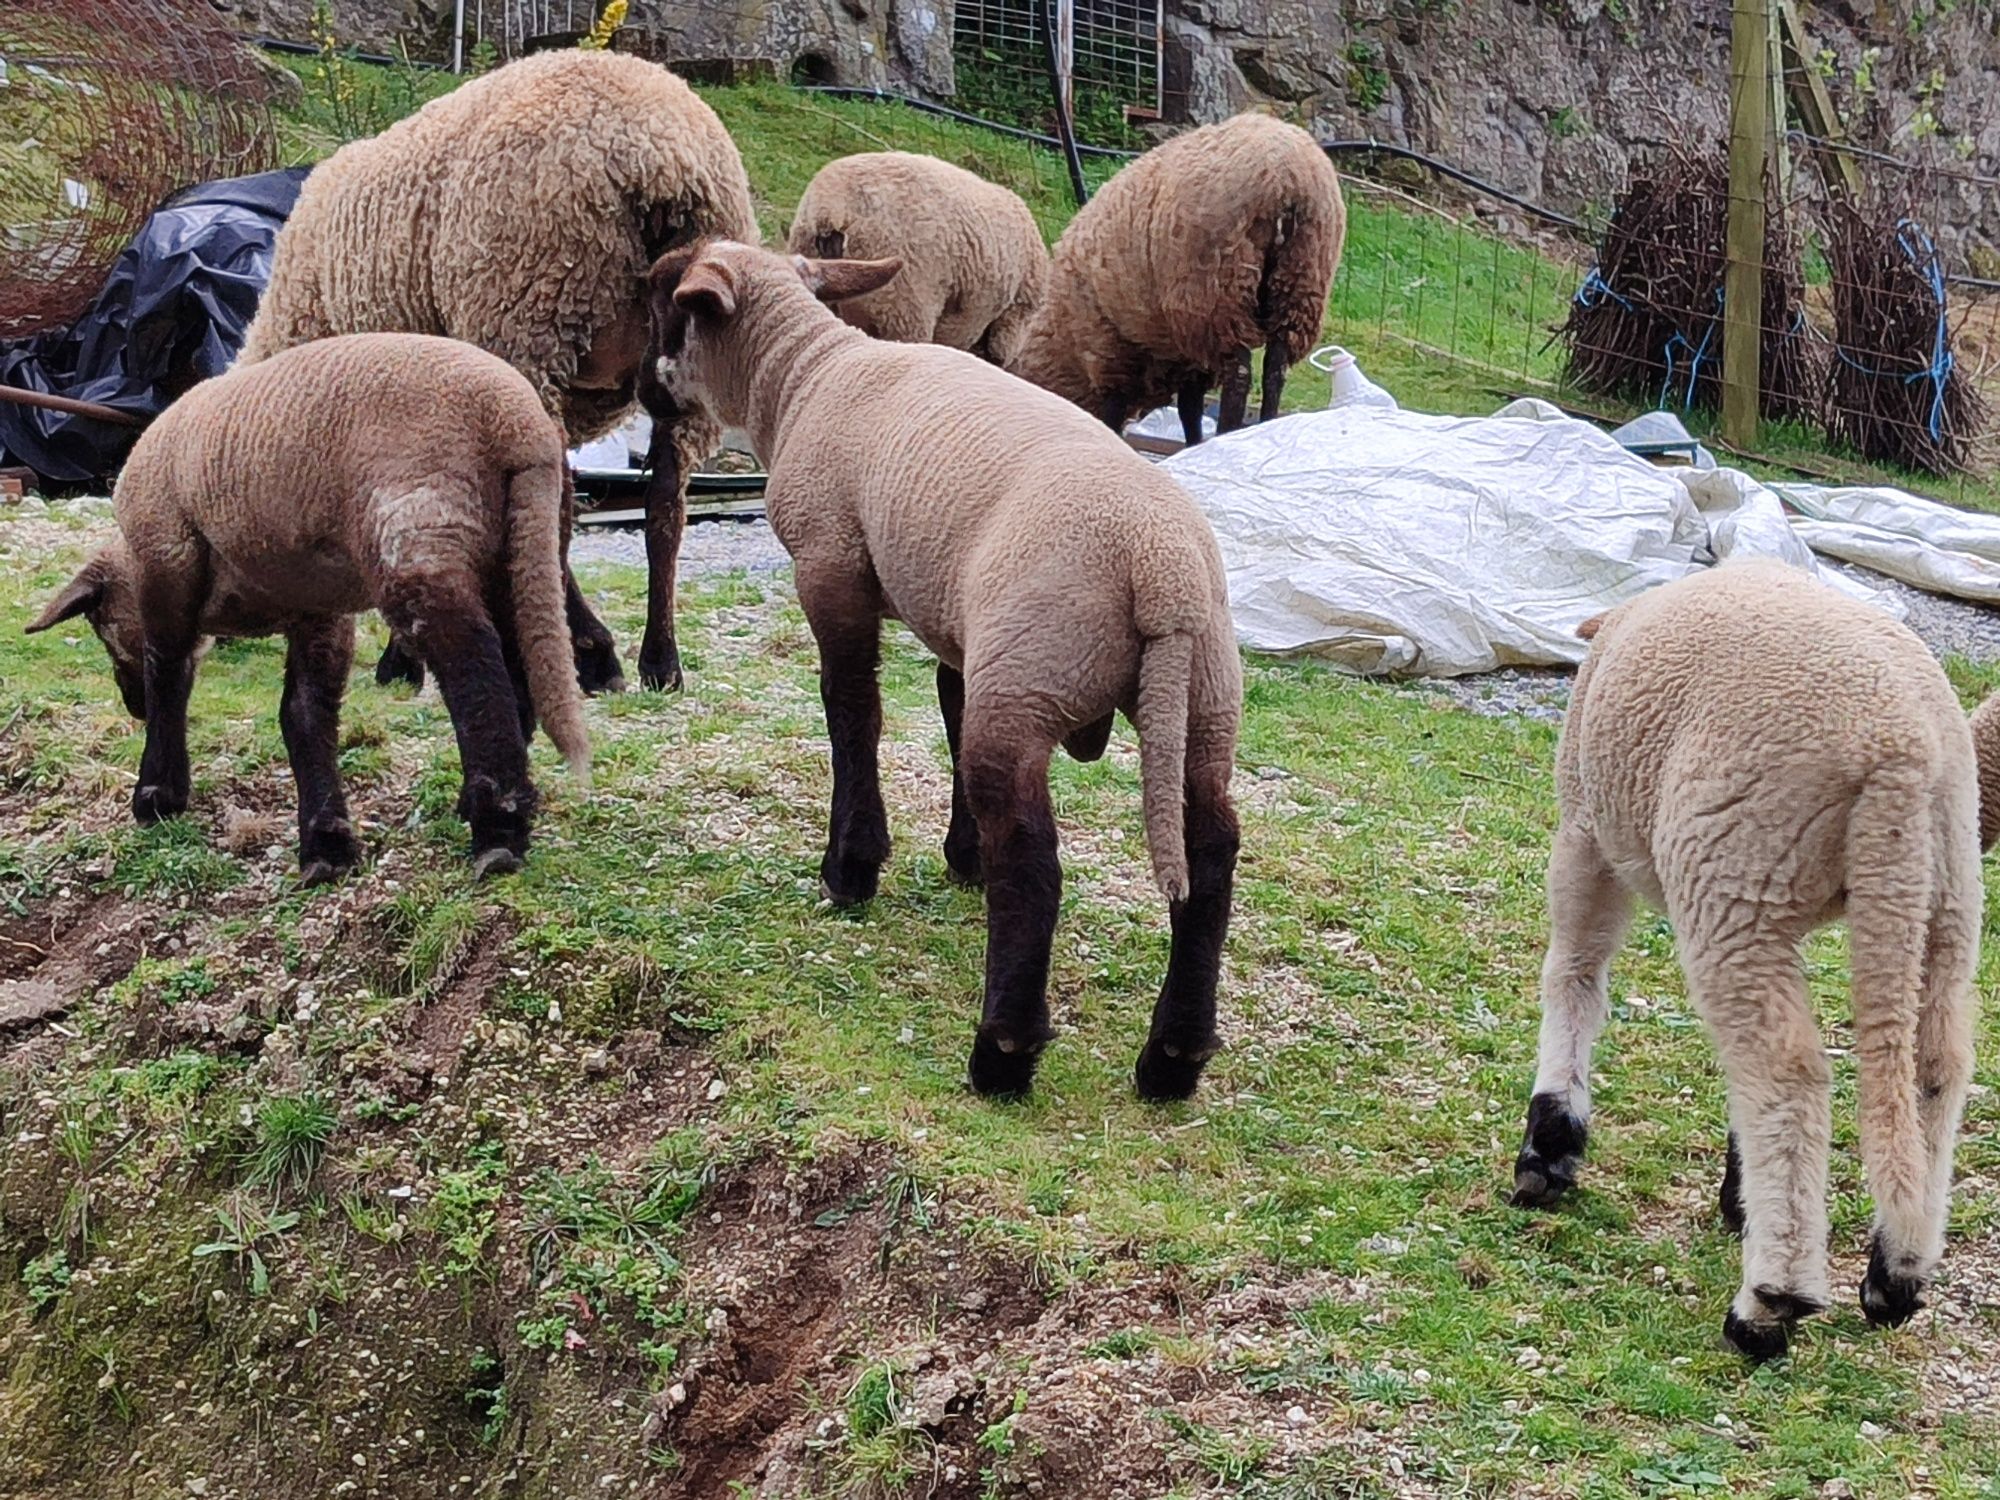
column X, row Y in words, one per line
column 1743, row 280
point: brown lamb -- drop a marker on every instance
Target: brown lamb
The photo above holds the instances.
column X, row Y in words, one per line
column 418, row 476
column 520, row 213
column 1758, row 755
column 1057, row 576
column 1218, row 242
column 974, row 264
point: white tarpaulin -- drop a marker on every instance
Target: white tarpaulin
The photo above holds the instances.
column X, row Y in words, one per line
column 1398, row 542
column 1922, row 542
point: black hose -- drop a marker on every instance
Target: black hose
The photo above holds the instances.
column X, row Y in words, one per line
column 946, row 112
column 1065, row 126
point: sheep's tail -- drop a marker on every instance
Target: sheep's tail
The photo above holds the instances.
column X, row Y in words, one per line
column 1892, row 880
column 1298, row 273
column 535, row 499
column 1161, row 717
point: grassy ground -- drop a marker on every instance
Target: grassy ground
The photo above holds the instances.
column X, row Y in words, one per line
column 645, row 1172
column 509, row 1119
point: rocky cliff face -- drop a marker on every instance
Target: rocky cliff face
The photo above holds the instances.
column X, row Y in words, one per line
column 1557, row 100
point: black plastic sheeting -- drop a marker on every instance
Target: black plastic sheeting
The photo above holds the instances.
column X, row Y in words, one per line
column 173, row 312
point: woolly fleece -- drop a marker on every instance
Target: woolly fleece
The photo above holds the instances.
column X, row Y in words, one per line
column 1160, row 274
column 303, row 485
column 519, row 213
column 974, row 265
column 1758, row 754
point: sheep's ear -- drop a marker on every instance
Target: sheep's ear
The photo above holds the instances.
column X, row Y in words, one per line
column 837, row 280
column 706, row 291
column 80, row 595
column 667, row 271
column 1587, row 631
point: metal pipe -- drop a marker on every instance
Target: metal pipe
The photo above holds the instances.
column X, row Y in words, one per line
column 70, row 406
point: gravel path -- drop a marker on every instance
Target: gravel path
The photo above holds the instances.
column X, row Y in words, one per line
column 1947, row 626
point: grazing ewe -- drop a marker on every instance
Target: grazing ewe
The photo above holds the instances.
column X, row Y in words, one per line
column 1758, row 754
column 1057, row 576
column 974, row 265
column 520, row 213
column 1221, row 240
column 418, row 476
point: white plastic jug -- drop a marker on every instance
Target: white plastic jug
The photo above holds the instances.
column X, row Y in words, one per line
column 1350, row 386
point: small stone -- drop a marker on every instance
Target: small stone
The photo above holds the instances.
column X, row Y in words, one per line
column 716, row 1089
column 197, row 1486
column 1272, row 773
column 1296, row 1415
column 677, row 1394
column 907, row 1035
column 1870, row 1431
column 1722, row 1421
column 596, row 1063
column 1384, row 1244
column 1837, row 1489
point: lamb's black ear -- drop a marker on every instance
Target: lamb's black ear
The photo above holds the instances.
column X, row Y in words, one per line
column 82, row 593
column 837, row 280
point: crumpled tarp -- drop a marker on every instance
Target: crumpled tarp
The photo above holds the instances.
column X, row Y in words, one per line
column 172, row 312
column 1397, row 542
column 1924, row 543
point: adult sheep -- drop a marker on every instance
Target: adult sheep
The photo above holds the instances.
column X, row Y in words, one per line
column 974, row 264
column 1220, row 241
column 1759, row 755
column 520, row 213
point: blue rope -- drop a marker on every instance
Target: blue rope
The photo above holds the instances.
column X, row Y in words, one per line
column 1594, row 286
column 1922, row 255
column 1699, row 353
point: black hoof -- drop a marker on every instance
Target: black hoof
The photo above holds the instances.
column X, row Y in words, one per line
column 1888, row 1300
column 847, row 881
column 1730, row 1201
column 660, row 672
column 397, row 665
column 1000, row 1067
column 155, row 804
column 962, row 865
column 490, row 862
column 1756, row 1342
column 1551, row 1154
column 1165, row 1072
column 327, row 853
column 598, row 670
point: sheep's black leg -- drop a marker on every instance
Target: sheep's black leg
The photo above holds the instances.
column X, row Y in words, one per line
column 1087, row 741
column 320, row 652
column 1274, row 380
column 399, row 663
column 517, row 670
column 961, row 839
column 1235, row 392
column 595, row 653
column 1193, row 395
column 1008, row 788
column 457, row 638
column 597, row 669
column 171, row 609
column 1115, row 412
column 666, row 520
column 1731, row 1198
column 857, row 842
column 1183, row 1037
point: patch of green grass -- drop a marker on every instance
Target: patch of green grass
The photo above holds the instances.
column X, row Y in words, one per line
column 292, row 1132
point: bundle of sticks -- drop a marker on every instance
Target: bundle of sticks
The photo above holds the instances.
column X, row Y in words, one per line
column 1897, row 395
column 1647, row 321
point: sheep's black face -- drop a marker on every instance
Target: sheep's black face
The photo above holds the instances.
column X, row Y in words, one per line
column 102, row 592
